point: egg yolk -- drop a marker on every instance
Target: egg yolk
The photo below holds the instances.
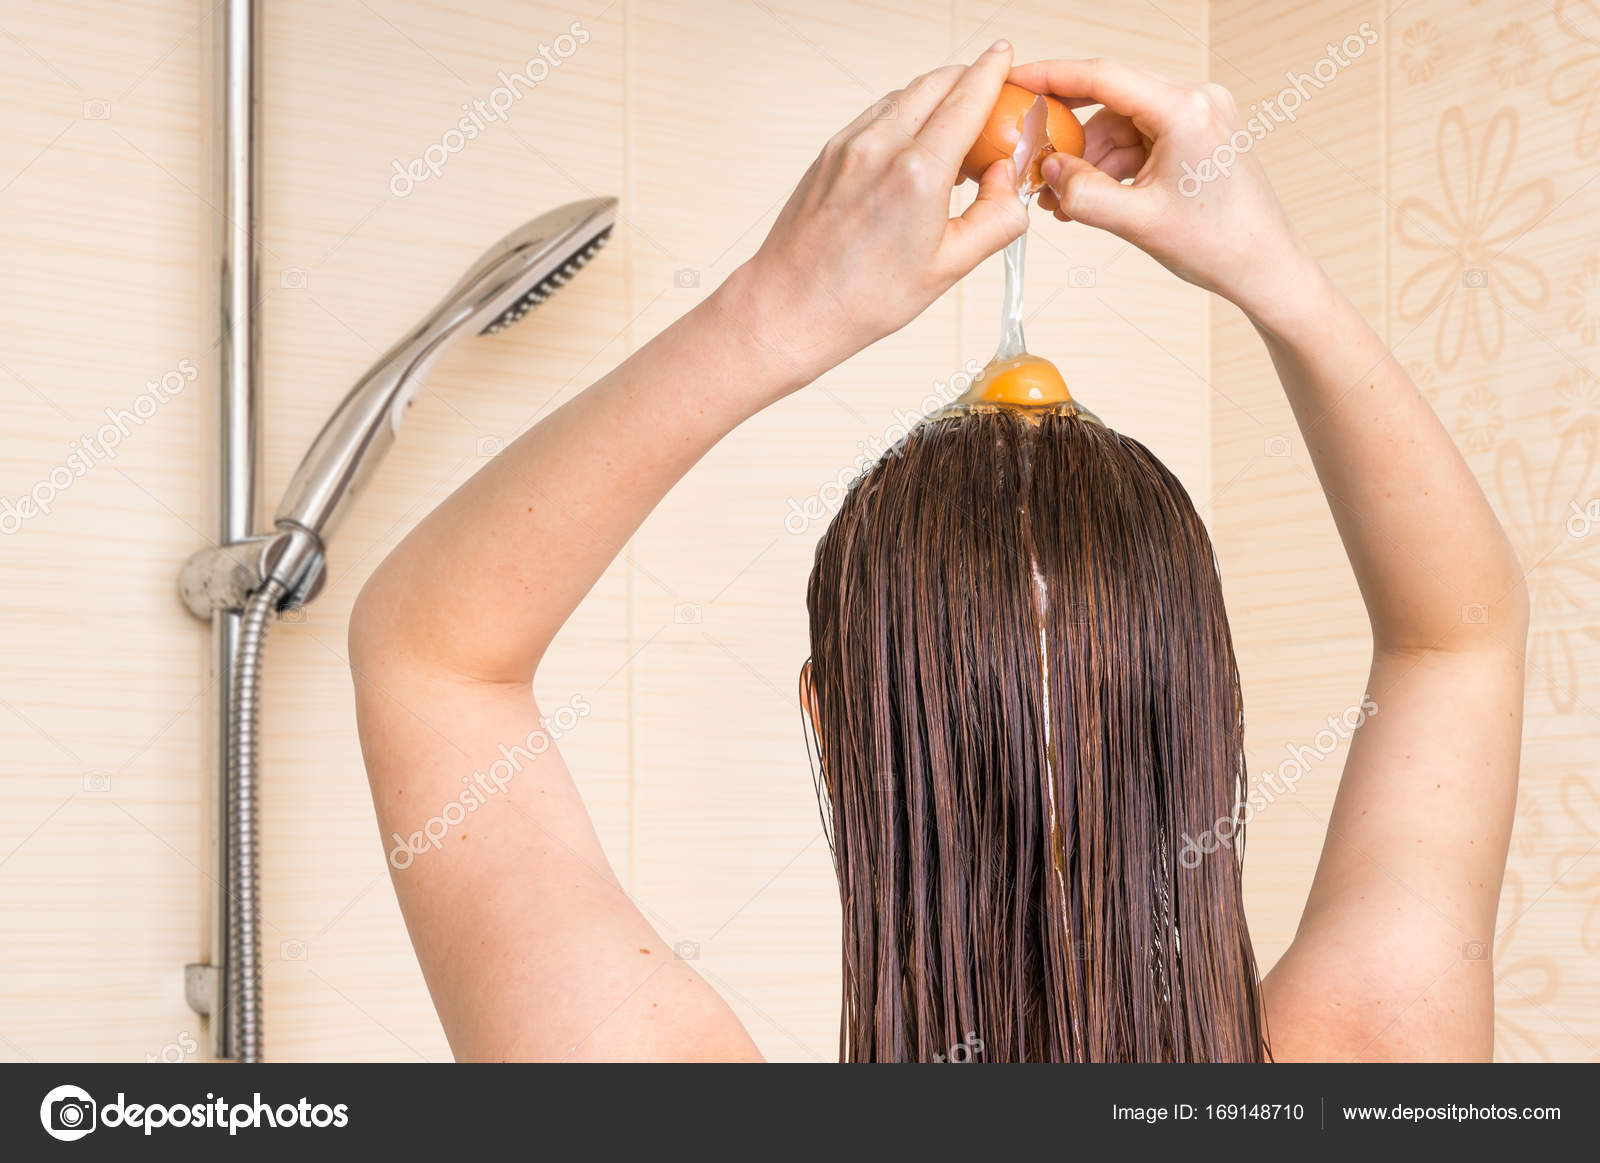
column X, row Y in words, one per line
column 1027, row 381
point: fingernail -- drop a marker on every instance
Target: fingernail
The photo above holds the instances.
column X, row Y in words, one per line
column 1000, row 46
column 1051, row 168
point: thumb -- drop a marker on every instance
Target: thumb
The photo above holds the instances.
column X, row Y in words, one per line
column 1092, row 196
column 995, row 218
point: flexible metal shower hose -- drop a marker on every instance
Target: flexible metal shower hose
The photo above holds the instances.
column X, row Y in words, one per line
column 244, row 826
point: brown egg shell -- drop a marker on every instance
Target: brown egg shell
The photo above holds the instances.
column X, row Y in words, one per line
column 993, row 144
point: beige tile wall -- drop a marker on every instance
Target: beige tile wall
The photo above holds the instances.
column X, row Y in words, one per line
column 1446, row 179
column 700, row 116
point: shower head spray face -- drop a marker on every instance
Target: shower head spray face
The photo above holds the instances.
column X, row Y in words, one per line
column 519, row 272
column 529, row 265
column 548, row 285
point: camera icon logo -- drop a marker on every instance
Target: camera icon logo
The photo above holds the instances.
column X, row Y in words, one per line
column 489, row 446
column 1475, row 951
column 1475, row 277
column 1277, row 446
column 97, row 781
column 293, row 278
column 1081, row 277
column 686, row 951
column 292, row 950
column 686, row 614
column 95, row 109
column 1475, row 615
column 686, row 278
column 67, row 1113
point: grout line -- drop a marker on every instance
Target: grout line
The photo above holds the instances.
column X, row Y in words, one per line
column 1209, row 337
column 1386, row 213
column 630, row 740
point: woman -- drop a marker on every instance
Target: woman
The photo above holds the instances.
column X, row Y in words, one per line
column 530, row 947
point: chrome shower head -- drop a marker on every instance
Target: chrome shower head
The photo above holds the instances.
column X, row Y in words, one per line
column 518, row 273
column 548, row 285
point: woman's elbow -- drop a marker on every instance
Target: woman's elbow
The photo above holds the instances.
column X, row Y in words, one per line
column 1498, row 622
column 1517, row 609
column 370, row 634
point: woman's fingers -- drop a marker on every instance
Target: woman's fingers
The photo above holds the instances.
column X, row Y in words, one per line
column 1114, row 144
column 905, row 109
column 917, row 101
column 954, row 125
column 1124, row 162
column 1089, row 195
column 995, row 217
column 1234, row 241
column 884, row 106
column 1049, row 201
column 901, row 115
column 1150, row 102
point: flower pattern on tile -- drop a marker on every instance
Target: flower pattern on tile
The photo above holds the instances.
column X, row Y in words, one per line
column 1583, row 301
column 1576, row 81
column 1523, row 986
column 1480, row 421
column 1577, row 400
column 1476, row 277
column 1514, row 53
column 1529, row 827
column 1420, row 49
column 1536, row 496
column 1577, row 869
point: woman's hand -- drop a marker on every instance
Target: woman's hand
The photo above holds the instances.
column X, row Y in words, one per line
column 1225, row 232
column 866, row 242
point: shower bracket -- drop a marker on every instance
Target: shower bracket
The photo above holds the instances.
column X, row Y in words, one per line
column 222, row 577
column 202, row 988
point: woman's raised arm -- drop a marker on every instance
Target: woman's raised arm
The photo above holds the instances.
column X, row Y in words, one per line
column 1416, row 847
column 529, row 945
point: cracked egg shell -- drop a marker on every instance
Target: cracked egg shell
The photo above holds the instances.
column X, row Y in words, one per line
column 1000, row 133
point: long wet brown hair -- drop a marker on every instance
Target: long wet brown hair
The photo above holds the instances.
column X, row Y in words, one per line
column 1024, row 698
